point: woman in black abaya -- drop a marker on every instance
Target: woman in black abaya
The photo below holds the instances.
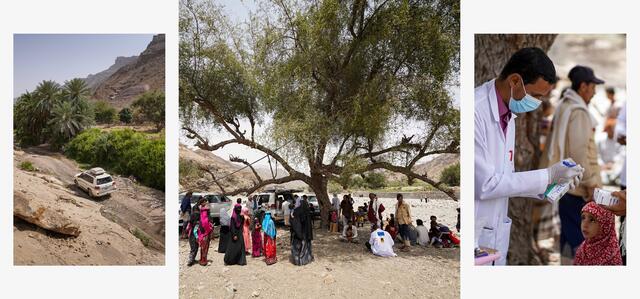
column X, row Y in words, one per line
column 235, row 253
column 301, row 234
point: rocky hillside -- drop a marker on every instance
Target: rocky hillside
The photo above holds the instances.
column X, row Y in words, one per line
column 192, row 178
column 94, row 80
column 122, row 87
column 433, row 168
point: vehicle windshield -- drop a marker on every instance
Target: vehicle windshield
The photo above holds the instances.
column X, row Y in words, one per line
column 263, row 199
column 313, row 199
column 105, row 180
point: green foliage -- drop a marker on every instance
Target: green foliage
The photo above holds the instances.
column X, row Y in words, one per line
column 125, row 115
column 124, row 151
column 187, row 169
column 104, row 112
column 333, row 187
column 141, row 236
column 27, row 166
column 375, row 180
column 150, row 107
column 52, row 113
column 451, row 175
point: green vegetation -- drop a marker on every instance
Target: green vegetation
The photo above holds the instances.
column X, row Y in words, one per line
column 451, row 175
column 105, row 113
column 375, row 180
column 125, row 115
column 27, row 166
column 141, row 236
column 150, row 107
column 124, row 151
column 187, row 170
column 52, row 113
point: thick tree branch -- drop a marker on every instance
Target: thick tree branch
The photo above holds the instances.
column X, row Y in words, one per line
column 412, row 175
column 244, row 161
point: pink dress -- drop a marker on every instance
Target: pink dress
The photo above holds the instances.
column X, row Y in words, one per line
column 246, row 230
column 257, row 241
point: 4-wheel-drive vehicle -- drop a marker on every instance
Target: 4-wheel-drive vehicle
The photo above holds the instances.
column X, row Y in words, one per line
column 216, row 201
column 271, row 200
column 96, row 182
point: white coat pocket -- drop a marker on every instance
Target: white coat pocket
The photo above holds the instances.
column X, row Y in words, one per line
column 487, row 237
column 502, row 238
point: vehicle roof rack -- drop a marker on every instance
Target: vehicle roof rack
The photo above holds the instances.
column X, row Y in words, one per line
column 96, row 171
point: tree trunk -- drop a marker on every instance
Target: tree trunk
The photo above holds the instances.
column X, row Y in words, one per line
column 319, row 187
column 491, row 53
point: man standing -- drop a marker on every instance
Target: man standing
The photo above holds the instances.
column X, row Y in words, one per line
column 529, row 74
column 403, row 215
column 572, row 135
column 335, row 202
column 346, row 210
column 374, row 213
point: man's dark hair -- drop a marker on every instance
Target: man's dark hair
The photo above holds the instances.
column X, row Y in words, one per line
column 419, row 222
column 399, row 196
column 239, row 200
column 531, row 64
column 611, row 90
column 433, row 217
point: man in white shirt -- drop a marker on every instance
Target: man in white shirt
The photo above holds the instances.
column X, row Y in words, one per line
column 423, row 233
column 335, row 202
column 381, row 243
column 353, row 232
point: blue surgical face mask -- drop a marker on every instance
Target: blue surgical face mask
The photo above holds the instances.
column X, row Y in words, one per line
column 526, row 104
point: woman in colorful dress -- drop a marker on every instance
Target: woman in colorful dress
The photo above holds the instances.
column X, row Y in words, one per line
column 269, row 228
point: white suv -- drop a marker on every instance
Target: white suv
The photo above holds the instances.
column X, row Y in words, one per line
column 96, row 182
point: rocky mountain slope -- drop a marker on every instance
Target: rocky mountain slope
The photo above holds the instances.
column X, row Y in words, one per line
column 94, row 80
column 192, row 178
column 122, row 87
column 55, row 223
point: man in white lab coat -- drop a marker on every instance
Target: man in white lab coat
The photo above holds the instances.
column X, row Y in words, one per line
column 528, row 75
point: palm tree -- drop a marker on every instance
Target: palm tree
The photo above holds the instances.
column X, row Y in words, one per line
column 67, row 121
column 24, row 119
column 76, row 91
column 46, row 96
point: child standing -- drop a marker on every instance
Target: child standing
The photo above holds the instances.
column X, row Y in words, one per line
column 600, row 246
column 191, row 230
column 256, row 238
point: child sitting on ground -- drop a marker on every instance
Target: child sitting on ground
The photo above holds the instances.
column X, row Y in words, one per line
column 600, row 246
column 349, row 233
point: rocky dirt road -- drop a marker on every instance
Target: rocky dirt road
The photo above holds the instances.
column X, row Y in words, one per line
column 48, row 208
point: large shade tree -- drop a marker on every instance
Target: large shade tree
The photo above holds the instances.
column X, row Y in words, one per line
column 336, row 82
column 491, row 53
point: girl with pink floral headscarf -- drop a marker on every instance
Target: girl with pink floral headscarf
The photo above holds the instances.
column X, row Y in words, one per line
column 600, row 246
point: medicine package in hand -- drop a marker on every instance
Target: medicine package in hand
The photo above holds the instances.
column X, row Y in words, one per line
column 604, row 197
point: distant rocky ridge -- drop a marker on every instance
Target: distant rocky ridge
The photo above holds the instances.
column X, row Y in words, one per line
column 94, row 80
column 203, row 182
column 132, row 77
column 432, row 168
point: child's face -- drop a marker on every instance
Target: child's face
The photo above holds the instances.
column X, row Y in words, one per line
column 590, row 226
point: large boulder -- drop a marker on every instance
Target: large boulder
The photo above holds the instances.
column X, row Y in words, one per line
column 31, row 210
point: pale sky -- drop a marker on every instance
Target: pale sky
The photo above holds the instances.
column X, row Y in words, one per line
column 60, row 57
